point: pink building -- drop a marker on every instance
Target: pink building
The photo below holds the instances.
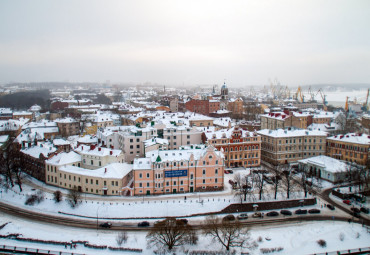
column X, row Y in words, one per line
column 195, row 169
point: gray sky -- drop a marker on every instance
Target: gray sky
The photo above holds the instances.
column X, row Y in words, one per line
column 185, row 42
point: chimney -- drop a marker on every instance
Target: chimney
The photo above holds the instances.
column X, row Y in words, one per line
column 105, row 170
column 111, row 152
column 99, row 149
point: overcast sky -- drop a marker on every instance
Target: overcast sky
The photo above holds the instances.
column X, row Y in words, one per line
column 186, row 42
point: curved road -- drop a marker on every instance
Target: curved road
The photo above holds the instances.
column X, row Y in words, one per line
column 92, row 224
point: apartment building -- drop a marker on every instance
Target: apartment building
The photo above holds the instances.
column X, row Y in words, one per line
column 281, row 120
column 350, row 147
column 131, row 141
column 204, row 107
column 68, row 127
column 286, row 146
column 241, row 148
column 194, row 169
column 180, row 136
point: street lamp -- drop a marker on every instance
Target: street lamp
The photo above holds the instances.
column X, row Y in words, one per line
column 97, row 218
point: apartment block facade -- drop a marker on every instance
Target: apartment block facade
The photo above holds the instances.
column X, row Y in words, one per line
column 286, row 146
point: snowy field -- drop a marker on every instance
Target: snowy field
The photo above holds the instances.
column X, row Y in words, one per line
column 293, row 238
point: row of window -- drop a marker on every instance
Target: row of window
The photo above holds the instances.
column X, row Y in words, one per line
column 175, row 183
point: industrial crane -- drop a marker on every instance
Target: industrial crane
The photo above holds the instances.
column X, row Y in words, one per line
column 346, row 105
column 365, row 106
column 299, row 93
column 323, row 96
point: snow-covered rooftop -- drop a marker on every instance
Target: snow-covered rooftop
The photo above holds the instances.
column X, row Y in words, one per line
column 291, row 133
column 64, row 158
column 111, row 171
column 330, row 164
column 352, row 138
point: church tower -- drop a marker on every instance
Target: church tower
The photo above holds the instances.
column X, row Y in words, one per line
column 224, row 92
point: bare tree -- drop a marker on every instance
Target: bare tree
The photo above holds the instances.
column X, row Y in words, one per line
column 170, row 233
column 74, row 196
column 122, row 237
column 276, row 178
column 259, row 181
column 228, row 234
column 287, row 179
column 243, row 186
column 9, row 164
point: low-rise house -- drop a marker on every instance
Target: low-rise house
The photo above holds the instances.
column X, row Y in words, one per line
column 94, row 157
column 326, row 168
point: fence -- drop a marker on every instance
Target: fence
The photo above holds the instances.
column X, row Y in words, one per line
column 23, row 250
column 345, row 252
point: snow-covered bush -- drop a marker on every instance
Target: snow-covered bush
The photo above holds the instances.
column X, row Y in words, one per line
column 57, row 196
column 270, row 250
column 341, row 236
column 35, row 198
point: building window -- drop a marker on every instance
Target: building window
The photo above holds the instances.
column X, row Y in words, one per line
column 97, row 182
column 140, row 185
column 204, row 181
column 140, row 175
column 204, row 171
column 216, row 180
column 147, row 175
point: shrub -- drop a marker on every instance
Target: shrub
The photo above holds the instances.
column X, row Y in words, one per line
column 357, row 235
column 57, row 196
column 35, row 198
column 322, row 243
column 122, row 237
column 270, row 250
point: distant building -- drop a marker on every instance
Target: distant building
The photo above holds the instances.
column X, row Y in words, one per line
column 204, row 107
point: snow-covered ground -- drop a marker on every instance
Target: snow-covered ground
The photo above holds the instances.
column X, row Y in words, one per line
column 293, row 238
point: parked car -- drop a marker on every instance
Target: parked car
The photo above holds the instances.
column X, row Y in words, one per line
column 229, row 217
column 356, row 214
column 226, row 171
column 348, row 202
column 231, row 171
column 184, row 221
column 286, row 212
column 231, row 182
column 106, row 225
column 365, row 210
column 257, row 215
column 331, row 207
column 314, row 210
column 300, row 211
column 355, row 209
column 143, row 224
column 273, row 213
column 242, row 216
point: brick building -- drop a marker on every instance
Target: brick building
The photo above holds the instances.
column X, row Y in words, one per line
column 204, row 107
column 241, row 148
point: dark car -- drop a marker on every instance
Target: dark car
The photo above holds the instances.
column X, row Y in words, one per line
column 286, row 212
column 184, row 221
column 331, row 207
column 231, row 171
column 106, row 225
column 356, row 210
column 143, row 224
column 314, row 211
column 348, row 202
column 364, row 210
column 231, row 182
column 356, row 214
column 273, row 213
column 229, row 217
column 300, row 211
